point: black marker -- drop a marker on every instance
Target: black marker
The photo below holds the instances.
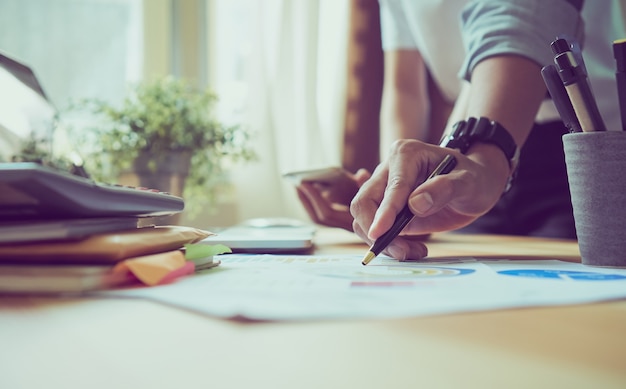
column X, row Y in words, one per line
column 619, row 51
column 560, row 98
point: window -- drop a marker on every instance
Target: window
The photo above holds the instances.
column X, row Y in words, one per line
column 77, row 48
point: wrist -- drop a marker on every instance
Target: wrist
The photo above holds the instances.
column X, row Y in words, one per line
column 491, row 158
column 485, row 139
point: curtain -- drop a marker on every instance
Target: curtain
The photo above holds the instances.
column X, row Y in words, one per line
column 296, row 101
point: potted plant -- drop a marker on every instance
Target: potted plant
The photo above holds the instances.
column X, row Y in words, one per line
column 165, row 132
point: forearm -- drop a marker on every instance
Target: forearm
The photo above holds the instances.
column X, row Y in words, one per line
column 403, row 116
column 404, row 106
column 507, row 89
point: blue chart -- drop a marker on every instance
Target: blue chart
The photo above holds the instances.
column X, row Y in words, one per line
column 566, row 275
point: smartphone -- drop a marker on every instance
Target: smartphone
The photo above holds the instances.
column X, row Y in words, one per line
column 329, row 175
column 335, row 183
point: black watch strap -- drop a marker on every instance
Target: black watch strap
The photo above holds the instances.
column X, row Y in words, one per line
column 467, row 132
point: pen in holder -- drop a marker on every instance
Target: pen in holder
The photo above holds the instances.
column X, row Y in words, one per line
column 596, row 170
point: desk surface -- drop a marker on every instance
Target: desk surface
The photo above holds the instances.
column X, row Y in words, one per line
column 114, row 343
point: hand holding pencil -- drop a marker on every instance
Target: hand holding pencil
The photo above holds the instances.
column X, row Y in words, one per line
column 443, row 202
column 406, row 215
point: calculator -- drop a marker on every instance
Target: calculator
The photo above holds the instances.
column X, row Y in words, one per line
column 31, row 191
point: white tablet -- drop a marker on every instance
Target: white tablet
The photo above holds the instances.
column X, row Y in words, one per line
column 265, row 239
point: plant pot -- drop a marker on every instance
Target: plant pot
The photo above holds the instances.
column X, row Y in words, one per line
column 166, row 172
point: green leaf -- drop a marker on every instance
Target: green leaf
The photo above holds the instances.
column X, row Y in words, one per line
column 196, row 251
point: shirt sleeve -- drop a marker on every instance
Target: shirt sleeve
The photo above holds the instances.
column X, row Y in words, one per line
column 520, row 27
column 394, row 26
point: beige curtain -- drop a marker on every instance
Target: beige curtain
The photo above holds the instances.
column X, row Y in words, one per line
column 296, row 104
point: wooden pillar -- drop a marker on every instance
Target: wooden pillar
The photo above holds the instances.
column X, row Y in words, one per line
column 364, row 87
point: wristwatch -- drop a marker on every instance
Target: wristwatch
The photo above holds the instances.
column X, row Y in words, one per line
column 467, row 132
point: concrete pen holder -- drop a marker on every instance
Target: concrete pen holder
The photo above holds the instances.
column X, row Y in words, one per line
column 596, row 170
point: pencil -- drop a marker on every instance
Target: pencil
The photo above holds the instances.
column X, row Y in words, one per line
column 405, row 216
column 578, row 88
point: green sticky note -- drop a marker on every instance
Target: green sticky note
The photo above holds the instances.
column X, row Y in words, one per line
column 194, row 251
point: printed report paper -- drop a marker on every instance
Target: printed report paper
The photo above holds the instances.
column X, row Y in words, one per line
column 289, row 287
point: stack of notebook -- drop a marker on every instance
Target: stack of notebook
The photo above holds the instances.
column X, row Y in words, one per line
column 64, row 233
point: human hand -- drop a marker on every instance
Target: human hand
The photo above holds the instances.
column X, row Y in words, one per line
column 445, row 202
column 327, row 203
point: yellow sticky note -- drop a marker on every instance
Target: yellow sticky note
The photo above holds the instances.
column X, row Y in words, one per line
column 152, row 269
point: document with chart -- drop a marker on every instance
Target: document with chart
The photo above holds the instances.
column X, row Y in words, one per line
column 284, row 287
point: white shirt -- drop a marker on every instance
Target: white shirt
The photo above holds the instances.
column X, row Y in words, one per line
column 454, row 35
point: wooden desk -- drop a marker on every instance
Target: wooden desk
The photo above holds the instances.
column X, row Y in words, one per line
column 138, row 344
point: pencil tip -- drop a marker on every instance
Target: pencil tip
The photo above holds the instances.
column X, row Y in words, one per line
column 368, row 258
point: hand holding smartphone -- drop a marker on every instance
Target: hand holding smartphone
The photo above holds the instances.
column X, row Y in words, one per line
column 326, row 175
column 335, row 184
column 326, row 194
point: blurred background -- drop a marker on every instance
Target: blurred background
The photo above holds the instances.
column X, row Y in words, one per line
column 292, row 71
